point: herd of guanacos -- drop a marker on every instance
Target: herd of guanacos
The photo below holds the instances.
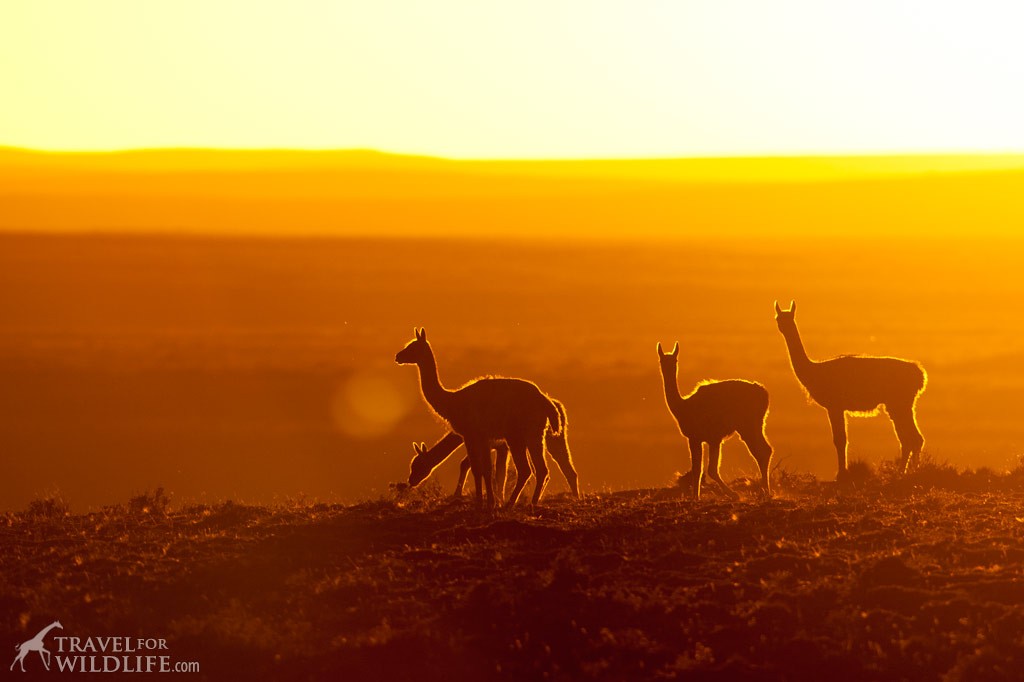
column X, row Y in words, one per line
column 515, row 417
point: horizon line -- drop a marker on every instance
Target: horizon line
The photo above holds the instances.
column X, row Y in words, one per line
column 370, row 151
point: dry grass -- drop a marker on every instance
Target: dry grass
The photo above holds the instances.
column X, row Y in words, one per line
column 893, row 578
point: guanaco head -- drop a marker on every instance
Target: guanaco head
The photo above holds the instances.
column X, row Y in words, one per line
column 785, row 318
column 416, row 350
column 668, row 360
column 419, row 468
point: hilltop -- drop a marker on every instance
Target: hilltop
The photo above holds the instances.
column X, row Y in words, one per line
column 904, row 580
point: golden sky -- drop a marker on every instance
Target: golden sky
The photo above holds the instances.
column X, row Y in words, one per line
column 526, row 79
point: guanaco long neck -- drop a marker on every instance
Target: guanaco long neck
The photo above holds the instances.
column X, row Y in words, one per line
column 436, row 395
column 797, row 355
column 675, row 401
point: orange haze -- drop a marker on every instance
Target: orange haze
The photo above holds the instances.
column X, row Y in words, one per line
column 358, row 193
column 218, row 365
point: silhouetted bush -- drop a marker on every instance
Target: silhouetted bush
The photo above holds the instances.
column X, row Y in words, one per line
column 932, row 474
column 52, row 507
column 156, row 504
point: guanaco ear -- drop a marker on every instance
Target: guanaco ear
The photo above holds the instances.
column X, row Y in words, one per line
column 661, row 353
column 419, row 448
column 792, row 306
column 675, row 350
column 778, row 310
column 421, row 334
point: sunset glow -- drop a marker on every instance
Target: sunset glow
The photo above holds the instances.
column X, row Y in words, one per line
column 230, row 450
column 565, row 79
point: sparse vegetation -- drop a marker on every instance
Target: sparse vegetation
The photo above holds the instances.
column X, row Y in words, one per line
column 891, row 578
column 50, row 507
column 929, row 474
column 156, row 503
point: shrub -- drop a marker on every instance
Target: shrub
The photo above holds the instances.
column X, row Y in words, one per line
column 156, row 504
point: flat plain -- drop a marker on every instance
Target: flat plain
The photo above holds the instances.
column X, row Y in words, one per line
column 262, row 369
column 202, row 424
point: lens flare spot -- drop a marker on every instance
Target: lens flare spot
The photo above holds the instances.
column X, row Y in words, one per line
column 368, row 404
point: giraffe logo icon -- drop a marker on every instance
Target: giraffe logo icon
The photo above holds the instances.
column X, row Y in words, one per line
column 35, row 644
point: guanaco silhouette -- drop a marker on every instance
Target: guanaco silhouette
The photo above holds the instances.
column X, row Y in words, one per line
column 858, row 384
column 485, row 411
column 426, row 460
column 711, row 413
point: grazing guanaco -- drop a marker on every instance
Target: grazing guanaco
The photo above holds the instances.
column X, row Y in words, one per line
column 488, row 410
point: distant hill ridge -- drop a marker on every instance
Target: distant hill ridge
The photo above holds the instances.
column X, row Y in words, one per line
column 696, row 169
column 369, row 193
